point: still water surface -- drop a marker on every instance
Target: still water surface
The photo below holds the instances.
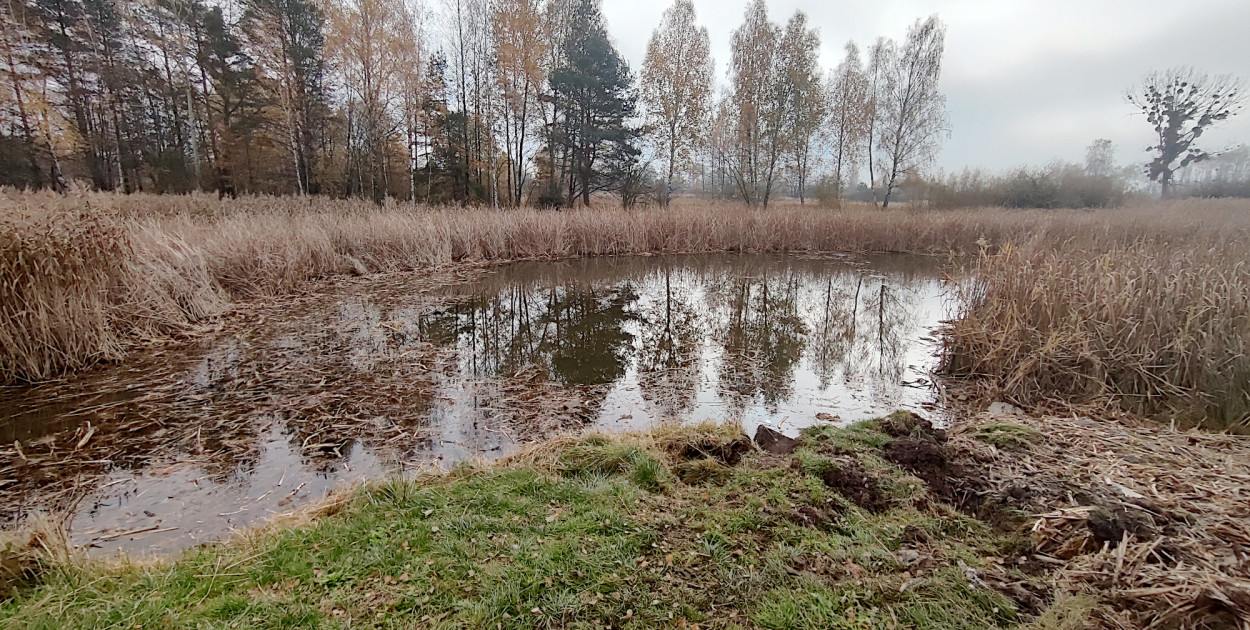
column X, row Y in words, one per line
column 392, row 373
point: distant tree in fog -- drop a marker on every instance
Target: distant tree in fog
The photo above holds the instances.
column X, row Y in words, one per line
column 1181, row 104
column 1100, row 158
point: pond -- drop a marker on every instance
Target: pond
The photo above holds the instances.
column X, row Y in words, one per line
column 364, row 377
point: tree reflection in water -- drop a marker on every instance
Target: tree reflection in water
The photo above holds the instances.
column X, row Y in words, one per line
column 669, row 356
column 576, row 335
column 763, row 341
column 706, row 336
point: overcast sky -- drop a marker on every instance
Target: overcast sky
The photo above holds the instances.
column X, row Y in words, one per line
column 1026, row 82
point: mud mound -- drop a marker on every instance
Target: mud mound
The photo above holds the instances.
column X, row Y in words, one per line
column 848, row 477
column 775, row 442
column 929, row 459
column 905, row 424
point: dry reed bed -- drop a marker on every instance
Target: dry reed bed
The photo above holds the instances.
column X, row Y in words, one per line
column 1162, row 327
column 84, row 276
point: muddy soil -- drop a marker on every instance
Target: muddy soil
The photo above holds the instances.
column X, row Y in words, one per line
column 847, row 476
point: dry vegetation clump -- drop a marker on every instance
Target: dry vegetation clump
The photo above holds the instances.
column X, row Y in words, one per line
column 41, row 544
column 58, row 269
column 1161, row 325
column 78, row 284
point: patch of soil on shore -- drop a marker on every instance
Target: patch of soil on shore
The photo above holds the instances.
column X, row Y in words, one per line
column 922, row 450
column 847, row 476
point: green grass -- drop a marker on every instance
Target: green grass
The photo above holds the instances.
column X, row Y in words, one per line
column 604, row 535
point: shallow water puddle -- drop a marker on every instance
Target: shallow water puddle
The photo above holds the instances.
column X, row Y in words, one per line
column 363, row 377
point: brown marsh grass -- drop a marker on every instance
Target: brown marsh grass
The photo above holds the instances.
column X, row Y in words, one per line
column 1161, row 326
column 1147, row 303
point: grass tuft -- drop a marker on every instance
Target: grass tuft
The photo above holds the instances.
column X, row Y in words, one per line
column 700, row 471
column 1007, row 435
column 28, row 553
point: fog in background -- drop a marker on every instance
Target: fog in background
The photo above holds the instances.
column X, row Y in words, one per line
column 1025, row 82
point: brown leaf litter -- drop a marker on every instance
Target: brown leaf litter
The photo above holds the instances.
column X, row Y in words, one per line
column 1153, row 521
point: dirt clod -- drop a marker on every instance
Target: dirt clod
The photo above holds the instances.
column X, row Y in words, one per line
column 812, row 516
column 775, row 442
column 1110, row 525
column 847, row 476
column 925, row 458
column 905, row 424
column 931, row 460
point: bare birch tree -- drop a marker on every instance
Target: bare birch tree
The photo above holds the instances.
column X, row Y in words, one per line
column 676, row 88
column 365, row 37
column 521, row 45
column 879, row 57
column 912, row 110
column 288, row 38
column 849, row 111
column 751, row 117
column 413, row 84
column 804, row 98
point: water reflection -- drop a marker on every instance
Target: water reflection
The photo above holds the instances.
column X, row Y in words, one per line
column 371, row 375
column 754, row 338
column 670, row 352
column 578, row 336
column 763, row 340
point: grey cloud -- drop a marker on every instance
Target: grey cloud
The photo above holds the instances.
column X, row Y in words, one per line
column 1024, row 84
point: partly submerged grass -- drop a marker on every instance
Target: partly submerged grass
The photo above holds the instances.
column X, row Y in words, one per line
column 588, row 534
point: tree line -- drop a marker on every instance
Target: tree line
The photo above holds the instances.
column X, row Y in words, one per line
column 501, row 102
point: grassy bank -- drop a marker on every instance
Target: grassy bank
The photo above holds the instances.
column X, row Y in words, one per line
column 689, row 528
column 1145, row 305
column 1004, row 521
